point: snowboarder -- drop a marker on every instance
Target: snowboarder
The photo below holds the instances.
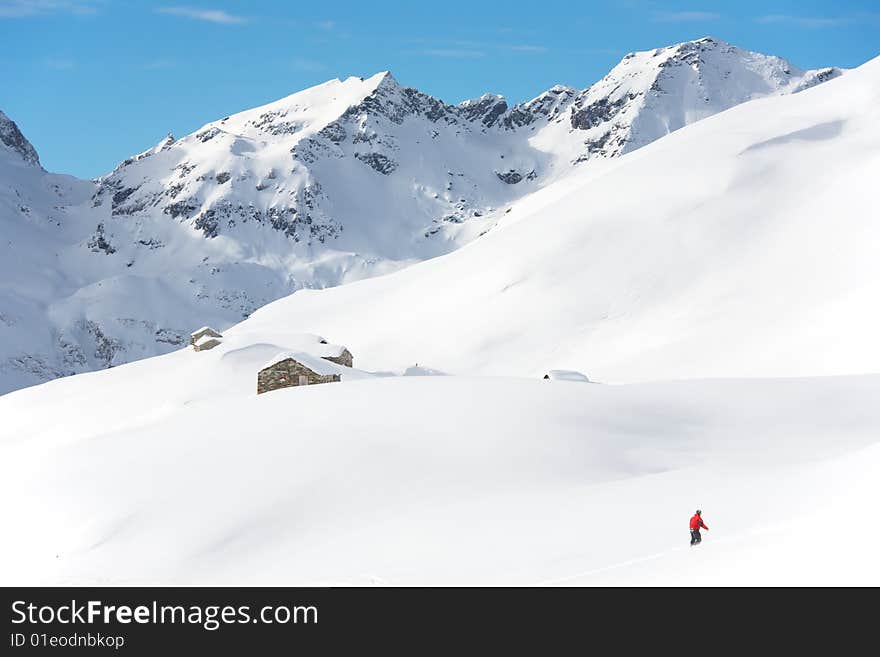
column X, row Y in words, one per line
column 696, row 524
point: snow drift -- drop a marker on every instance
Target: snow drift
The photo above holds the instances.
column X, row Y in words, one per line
column 172, row 470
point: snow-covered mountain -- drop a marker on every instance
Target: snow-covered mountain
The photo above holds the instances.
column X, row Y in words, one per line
column 749, row 249
column 339, row 182
column 650, row 94
column 743, row 245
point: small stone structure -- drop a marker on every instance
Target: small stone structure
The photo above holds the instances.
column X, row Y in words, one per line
column 195, row 336
column 295, row 369
column 344, row 357
column 566, row 375
column 205, row 343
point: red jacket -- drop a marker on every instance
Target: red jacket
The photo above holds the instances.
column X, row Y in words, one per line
column 697, row 522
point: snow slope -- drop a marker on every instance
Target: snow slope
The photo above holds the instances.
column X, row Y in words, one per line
column 742, row 245
column 350, row 179
column 748, row 250
column 171, row 470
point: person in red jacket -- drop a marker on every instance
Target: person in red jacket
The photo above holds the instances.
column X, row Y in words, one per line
column 696, row 524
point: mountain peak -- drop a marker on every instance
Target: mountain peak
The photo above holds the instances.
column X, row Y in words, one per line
column 709, row 40
column 487, row 108
column 381, row 80
column 166, row 141
column 11, row 138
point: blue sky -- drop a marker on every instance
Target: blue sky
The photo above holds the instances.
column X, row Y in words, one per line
column 91, row 82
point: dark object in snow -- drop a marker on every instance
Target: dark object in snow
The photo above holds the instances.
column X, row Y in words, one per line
column 566, row 375
column 378, row 162
column 513, row 176
column 696, row 523
column 99, row 242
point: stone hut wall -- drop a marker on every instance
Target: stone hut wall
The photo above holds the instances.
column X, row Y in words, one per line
column 195, row 337
column 286, row 374
column 345, row 358
column 206, row 345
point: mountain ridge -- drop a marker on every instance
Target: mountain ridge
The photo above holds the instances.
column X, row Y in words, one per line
column 342, row 181
column 12, row 139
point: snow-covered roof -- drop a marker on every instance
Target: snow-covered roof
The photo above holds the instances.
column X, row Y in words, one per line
column 332, row 350
column 310, row 343
column 204, row 328
column 315, row 363
column 567, row 375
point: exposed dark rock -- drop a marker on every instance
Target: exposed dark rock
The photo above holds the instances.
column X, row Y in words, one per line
column 819, row 77
column 396, row 103
column 98, row 242
column 486, row 109
column 120, row 197
column 11, row 137
column 185, row 169
column 105, row 347
column 207, row 222
column 597, row 112
column 170, row 336
column 208, row 135
column 510, row 177
column 185, row 208
column 271, row 123
column 334, row 132
column 377, row 162
column 151, row 243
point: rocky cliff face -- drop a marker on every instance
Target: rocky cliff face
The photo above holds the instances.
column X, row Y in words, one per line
column 650, row 94
column 342, row 181
column 12, row 139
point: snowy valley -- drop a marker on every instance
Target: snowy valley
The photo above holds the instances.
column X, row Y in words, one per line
column 709, row 263
column 347, row 180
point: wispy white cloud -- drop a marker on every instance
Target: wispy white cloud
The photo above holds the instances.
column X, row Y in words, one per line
column 805, row 21
column 207, row 15
column 25, row 8
column 685, row 16
column 453, row 52
column 326, row 25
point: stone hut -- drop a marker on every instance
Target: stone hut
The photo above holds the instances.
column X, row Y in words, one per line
column 296, row 369
column 205, row 343
column 195, row 336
